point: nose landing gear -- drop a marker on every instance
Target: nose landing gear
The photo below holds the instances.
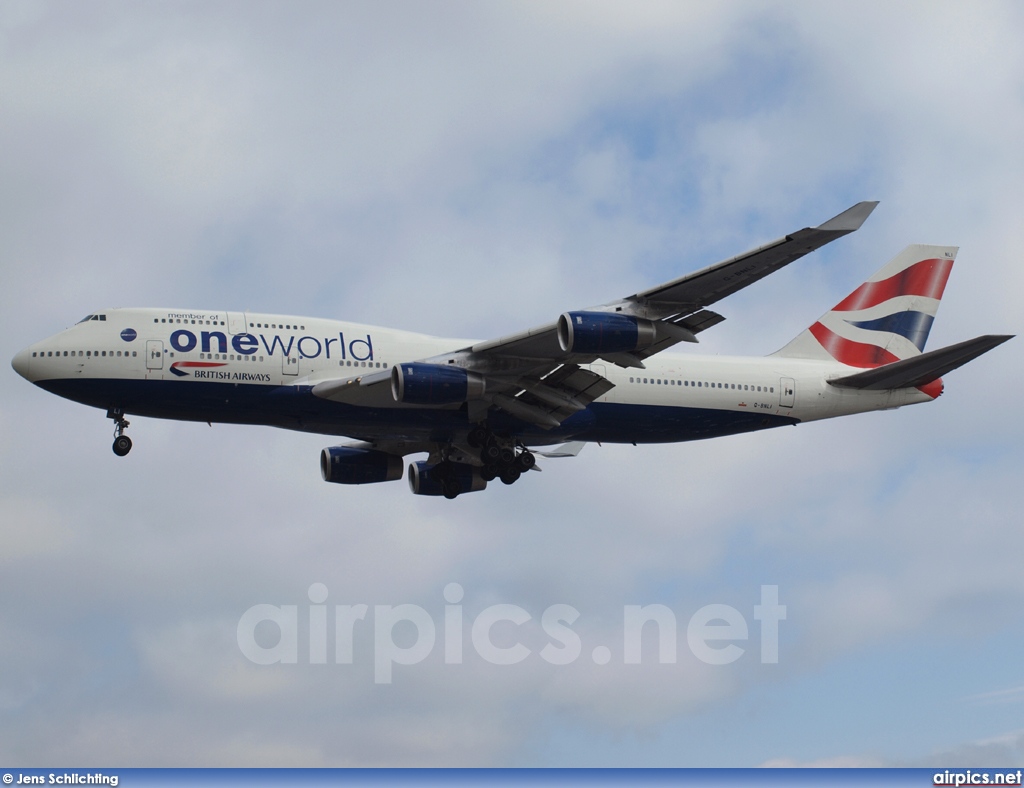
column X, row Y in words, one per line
column 122, row 443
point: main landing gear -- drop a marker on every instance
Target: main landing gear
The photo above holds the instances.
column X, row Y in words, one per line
column 502, row 458
column 444, row 473
column 122, row 443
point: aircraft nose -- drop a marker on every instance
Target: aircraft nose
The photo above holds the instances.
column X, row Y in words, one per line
column 21, row 363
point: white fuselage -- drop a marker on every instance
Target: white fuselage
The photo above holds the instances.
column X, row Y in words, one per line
column 113, row 359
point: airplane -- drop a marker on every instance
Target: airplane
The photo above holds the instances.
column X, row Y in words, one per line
column 483, row 410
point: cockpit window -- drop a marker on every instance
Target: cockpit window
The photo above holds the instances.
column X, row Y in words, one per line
column 86, row 318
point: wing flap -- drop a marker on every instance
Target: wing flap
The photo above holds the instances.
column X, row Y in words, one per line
column 549, row 400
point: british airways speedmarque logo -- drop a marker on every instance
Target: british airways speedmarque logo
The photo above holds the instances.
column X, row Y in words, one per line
column 129, row 335
column 176, row 367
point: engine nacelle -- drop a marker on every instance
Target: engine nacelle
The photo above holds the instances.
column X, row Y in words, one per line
column 423, row 479
column 349, row 465
column 434, row 384
column 603, row 332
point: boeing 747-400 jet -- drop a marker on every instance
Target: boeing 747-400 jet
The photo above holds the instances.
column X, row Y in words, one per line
column 480, row 409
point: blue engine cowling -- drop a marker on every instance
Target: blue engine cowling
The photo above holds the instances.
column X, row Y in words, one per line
column 348, row 465
column 422, row 481
column 603, row 332
column 434, row 384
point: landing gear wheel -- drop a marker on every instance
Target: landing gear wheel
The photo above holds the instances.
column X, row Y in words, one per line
column 488, row 473
column 477, row 437
column 491, row 453
column 525, row 461
column 510, row 476
column 122, row 443
column 451, row 489
column 506, row 455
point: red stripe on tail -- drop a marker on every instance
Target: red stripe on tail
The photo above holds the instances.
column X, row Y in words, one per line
column 846, row 351
column 926, row 278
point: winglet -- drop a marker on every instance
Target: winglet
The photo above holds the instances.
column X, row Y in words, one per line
column 851, row 219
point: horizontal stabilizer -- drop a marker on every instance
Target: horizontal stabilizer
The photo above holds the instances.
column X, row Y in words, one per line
column 923, row 369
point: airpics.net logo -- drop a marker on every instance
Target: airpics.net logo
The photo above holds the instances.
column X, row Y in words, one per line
column 715, row 634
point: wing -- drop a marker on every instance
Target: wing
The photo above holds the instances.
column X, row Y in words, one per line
column 541, row 375
column 681, row 303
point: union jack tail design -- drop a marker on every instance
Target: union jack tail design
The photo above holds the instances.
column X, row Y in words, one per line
column 887, row 318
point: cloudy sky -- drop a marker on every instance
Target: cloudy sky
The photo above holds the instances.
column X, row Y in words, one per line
column 468, row 170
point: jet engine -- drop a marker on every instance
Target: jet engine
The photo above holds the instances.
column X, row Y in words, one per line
column 351, row 465
column 435, row 384
column 603, row 332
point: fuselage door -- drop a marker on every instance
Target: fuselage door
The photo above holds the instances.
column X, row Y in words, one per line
column 154, row 354
column 236, row 323
column 787, row 392
column 290, row 363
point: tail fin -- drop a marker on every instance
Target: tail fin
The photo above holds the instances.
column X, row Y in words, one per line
column 887, row 318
